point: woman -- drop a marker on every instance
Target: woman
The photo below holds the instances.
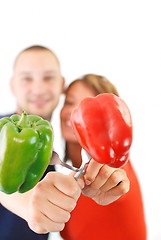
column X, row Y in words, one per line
column 120, row 220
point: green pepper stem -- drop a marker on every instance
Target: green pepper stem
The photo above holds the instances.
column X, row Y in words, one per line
column 22, row 123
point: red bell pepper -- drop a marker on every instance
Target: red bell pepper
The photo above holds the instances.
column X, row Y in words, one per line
column 103, row 127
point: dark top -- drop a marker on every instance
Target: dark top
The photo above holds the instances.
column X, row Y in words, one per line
column 13, row 227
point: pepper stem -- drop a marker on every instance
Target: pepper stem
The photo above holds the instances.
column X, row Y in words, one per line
column 22, row 123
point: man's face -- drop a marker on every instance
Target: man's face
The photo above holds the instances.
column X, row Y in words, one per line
column 37, row 83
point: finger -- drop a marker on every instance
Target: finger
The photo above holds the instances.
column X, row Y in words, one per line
column 120, row 189
column 58, row 198
column 52, row 202
column 92, row 171
column 64, row 183
column 115, row 179
column 102, row 177
column 55, row 213
column 79, row 180
column 41, row 224
column 45, row 193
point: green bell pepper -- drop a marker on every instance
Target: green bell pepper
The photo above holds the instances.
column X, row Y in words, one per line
column 25, row 151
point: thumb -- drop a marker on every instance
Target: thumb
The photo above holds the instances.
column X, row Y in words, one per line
column 79, row 180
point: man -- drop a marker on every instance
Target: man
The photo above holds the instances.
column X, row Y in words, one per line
column 37, row 84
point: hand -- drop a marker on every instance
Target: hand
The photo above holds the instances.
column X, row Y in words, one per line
column 51, row 202
column 105, row 184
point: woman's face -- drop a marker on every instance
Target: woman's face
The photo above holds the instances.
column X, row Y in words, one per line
column 77, row 92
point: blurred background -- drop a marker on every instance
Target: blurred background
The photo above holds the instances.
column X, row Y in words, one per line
column 118, row 39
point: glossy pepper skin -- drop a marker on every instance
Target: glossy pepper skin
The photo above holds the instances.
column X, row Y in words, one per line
column 103, row 127
column 25, row 151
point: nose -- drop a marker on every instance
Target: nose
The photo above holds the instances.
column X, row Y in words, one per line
column 66, row 112
column 38, row 87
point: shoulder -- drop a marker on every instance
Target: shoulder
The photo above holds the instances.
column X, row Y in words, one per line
column 7, row 115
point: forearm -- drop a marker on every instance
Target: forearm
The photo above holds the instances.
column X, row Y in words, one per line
column 47, row 206
column 17, row 203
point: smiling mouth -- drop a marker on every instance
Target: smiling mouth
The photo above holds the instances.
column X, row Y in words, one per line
column 39, row 102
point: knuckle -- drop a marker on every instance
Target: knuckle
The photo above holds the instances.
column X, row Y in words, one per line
column 74, row 191
column 39, row 187
column 67, row 217
column 49, row 176
column 71, row 205
column 104, row 172
column 123, row 172
column 62, row 217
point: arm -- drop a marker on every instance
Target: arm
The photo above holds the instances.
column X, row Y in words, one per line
column 105, row 184
column 47, row 206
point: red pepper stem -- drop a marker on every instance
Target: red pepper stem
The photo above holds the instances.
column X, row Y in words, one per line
column 22, row 123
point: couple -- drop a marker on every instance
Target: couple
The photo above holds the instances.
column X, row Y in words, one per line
column 56, row 203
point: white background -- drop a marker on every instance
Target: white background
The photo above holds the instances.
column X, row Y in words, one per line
column 118, row 39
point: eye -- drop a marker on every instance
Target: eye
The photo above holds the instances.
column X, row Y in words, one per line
column 49, row 78
column 26, row 79
column 68, row 102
